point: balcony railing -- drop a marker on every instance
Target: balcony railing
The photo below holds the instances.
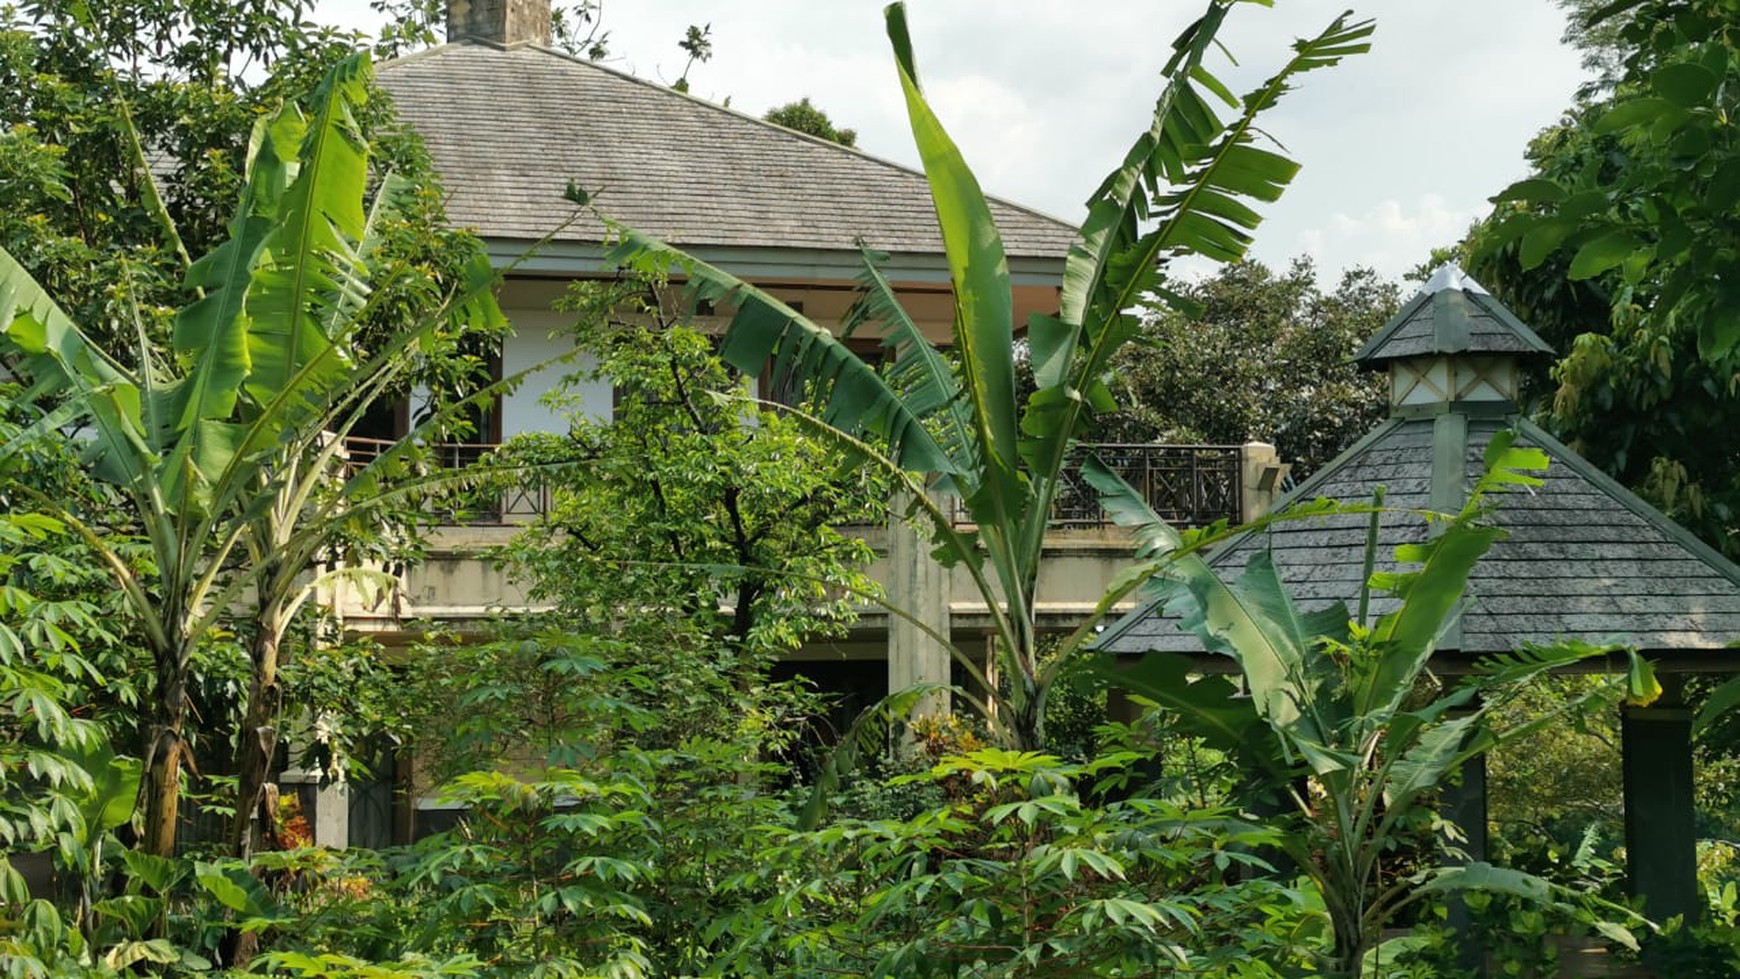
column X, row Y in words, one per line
column 1188, row 485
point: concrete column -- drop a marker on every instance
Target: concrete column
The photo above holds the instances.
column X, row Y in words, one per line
column 1660, row 837
column 325, row 804
column 919, row 587
column 1260, row 473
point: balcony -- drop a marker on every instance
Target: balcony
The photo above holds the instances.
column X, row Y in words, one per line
column 1188, row 485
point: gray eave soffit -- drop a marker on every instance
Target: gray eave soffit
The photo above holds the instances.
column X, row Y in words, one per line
column 558, row 259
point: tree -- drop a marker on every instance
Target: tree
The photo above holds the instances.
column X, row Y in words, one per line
column 806, row 118
column 231, row 444
column 686, row 504
column 411, row 25
column 1337, row 714
column 1269, row 357
column 1186, row 187
column 1618, row 249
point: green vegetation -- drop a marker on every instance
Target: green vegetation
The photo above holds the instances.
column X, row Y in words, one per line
column 806, row 118
column 1258, row 354
column 634, row 791
column 961, row 427
column 1337, row 716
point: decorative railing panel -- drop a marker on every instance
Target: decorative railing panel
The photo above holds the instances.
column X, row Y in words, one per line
column 1189, row 485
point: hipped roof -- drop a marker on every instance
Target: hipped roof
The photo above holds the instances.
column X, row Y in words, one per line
column 1452, row 314
column 1584, row 559
column 508, row 128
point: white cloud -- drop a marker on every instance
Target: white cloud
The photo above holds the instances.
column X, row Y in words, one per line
column 1390, row 236
column 1400, row 146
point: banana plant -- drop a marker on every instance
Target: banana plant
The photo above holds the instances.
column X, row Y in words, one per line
column 227, row 450
column 956, row 425
column 1338, row 714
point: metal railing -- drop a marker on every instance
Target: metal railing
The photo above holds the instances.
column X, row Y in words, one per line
column 508, row 498
column 1188, row 485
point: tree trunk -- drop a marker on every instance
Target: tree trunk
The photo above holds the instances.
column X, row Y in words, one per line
column 255, row 749
column 1349, row 950
column 1027, row 727
column 259, row 740
column 164, row 756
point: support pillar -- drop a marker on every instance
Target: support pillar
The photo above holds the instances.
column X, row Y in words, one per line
column 919, row 587
column 325, row 804
column 1260, row 474
column 1660, row 835
column 1464, row 803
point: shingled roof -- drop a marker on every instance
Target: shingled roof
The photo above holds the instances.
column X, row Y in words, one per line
column 1452, row 314
column 510, row 127
column 1584, row 558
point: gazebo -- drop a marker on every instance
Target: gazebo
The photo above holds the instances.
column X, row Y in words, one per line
column 1584, row 559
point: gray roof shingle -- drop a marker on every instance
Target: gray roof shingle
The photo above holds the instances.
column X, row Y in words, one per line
column 1452, row 314
column 1584, row 558
column 508, row 128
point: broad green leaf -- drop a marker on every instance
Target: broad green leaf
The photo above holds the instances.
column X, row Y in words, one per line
column 1634, row 112
column 1534, row 190
column 312, row 264
column 1601, row 253
column 1641, row 686
column 919, row 373
column 1686, row 84
column 63, row 364
column 1723, row 193
column 1486, row 877
column 858, row 400
column 1403, row 641
column 158, row 873
column 1213, row 706
column 1722, row 700
column 134, row 911
column 984, row 304
column 1542, row 240
column 1428, row 762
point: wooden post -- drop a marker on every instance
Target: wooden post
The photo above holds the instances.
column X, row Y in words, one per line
column 1464, row 804
column 1660, row 835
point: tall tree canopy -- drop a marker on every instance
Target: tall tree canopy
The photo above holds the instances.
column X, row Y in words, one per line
column 1620, row 249
column 190, row 77
column 1269, row 358
column 807, row 118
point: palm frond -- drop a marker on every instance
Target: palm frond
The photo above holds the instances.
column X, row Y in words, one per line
column 855, row 398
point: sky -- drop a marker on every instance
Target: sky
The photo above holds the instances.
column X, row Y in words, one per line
column 1401, row 147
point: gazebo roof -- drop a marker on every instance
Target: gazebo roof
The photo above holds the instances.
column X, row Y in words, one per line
column 1452, row 314
column 1584, row 558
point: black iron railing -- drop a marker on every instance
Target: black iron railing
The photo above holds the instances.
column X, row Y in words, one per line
column 1189, row 485
column 502, row 497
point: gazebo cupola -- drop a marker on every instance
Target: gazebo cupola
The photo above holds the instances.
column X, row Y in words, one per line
column 1452, row 347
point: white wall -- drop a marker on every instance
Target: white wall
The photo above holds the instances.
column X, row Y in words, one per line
column 532, row 344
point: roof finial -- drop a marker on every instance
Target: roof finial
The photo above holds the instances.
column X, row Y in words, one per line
column 1450, row 276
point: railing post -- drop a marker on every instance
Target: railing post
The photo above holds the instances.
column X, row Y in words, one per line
column 919, row 587
column 1260, row 473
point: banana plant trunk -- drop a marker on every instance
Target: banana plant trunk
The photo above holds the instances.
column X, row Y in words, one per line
column 1027, row 726
column 258, row 743
column 163, row 774
column 1350, row 948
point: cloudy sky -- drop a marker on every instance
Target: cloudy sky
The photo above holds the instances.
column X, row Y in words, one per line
column 1400, row 146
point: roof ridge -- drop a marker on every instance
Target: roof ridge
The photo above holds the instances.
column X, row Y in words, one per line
column 1072, row 227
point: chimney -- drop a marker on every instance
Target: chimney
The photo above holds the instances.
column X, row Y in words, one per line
column 499, row 21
